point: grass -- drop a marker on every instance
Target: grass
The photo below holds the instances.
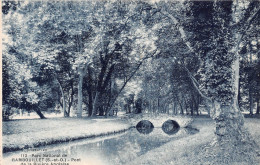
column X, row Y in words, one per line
column 194, row 149
column 23, row 134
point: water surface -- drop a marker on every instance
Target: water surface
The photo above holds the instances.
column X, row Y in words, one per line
column 110, row 150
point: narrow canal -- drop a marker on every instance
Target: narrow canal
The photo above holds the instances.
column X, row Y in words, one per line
column 110, row 150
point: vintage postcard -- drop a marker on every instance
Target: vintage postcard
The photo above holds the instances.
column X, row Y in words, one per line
column 130, row 82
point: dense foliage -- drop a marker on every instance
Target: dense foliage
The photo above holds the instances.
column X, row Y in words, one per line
column 101, row 57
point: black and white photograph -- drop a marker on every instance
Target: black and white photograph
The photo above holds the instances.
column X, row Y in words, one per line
column 130, row 82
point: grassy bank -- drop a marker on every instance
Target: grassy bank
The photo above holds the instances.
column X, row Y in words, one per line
column 190, row 150
column 23, row 134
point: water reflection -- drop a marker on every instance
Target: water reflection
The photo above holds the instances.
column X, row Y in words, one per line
column 144, row 127
column 170, row 127
column 112, row 150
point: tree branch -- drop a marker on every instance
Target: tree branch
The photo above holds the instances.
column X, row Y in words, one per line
column 195, row 83
column 129, row 78
column 180, row 28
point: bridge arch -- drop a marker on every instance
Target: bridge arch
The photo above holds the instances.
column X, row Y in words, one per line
column 170, row 127
column 158, row 119
column 144, row 126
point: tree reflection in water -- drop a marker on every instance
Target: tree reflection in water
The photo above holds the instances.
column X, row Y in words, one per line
column 144, row 127
column 170, row 127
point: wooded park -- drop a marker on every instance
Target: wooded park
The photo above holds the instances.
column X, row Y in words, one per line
column 88, row 60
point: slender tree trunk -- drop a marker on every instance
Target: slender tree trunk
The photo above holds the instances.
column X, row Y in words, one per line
column 158, row 104
column 186, row 106
column 130, row 108
column 239, row 93
column 125, row 108
column 71, row 99
column 90, row 90
column 180, row 105
column 125, row 82
column 175, row 108
column 258, row 106
column 251, row 103
column 79, row 108
column 195, row 99
column 208, row 106
column 155, row 106
column 90, row 103
column 150, row 106
column 70, row 105
column 39, row 113
column 197, row 106
column 192, row 107
column 65, row 114
column 101, row 111
column 95, row 104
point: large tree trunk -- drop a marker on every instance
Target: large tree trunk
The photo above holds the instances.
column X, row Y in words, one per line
column 229, row 119
column 233, row 141
column 229, row 123
column 233, row 144
column 231, row 134
column 79, row 108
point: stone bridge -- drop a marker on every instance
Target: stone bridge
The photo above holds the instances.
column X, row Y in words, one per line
column 158, row 119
